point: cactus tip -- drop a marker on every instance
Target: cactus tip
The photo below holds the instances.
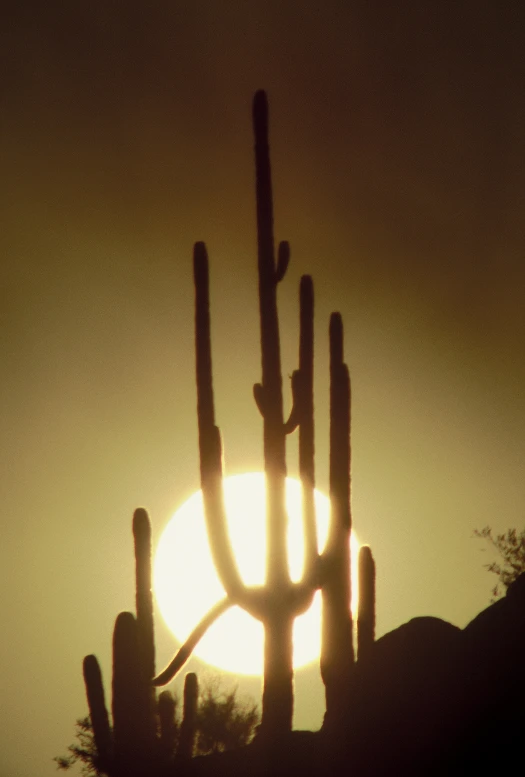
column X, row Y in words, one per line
column 336, row 337
column 124, row 623
column 141, row 522
column 90, row 668
column 200, row 261
column 260, row 112
column 306, row 290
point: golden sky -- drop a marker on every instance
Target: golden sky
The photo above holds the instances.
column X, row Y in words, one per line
column 397, row 135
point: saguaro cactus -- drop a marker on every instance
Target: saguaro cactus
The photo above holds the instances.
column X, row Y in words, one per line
column 279, row 600
column 144, row 596
column 132, row 747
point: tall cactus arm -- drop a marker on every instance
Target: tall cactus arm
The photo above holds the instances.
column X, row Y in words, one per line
column 270, row 392
column 144, row 596
column 337, row 653
column 98, row 711
column 209, row 436
column 366, row 610
column 188, row 727
column 277, row 701
column 306, row 429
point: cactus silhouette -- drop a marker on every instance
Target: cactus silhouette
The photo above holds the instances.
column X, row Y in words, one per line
column 133, row 746
column 189, row 721
column 366, row 611
column 337, row 654
column 98, row 712
column 168, row 726
column 279, row 601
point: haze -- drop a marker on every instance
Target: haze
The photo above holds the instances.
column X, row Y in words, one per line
column 397, row 139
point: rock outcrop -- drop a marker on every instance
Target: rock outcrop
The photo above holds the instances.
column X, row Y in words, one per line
column 429, row 699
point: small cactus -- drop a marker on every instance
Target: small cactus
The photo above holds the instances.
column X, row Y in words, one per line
column 134, row 744
column 166, row 706
column 98, row 711
column 366, row 612
column 189, row 720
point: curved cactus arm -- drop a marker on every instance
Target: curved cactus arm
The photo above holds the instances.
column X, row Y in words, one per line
column 185, row 651
column 337, row 652
column 366, row 611
column 98, row 711
column 209, row 437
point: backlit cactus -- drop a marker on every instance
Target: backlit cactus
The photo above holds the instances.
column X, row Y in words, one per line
column 366, row 611
column 279, row 601
column 144, row 732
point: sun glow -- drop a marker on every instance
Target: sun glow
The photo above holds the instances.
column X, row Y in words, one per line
column 186, row 583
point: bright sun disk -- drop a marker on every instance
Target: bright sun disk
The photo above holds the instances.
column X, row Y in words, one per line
column 187, row 586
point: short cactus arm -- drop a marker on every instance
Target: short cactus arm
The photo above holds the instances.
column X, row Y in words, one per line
column 209, row 437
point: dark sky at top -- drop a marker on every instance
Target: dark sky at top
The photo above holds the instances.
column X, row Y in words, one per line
column 398, row 137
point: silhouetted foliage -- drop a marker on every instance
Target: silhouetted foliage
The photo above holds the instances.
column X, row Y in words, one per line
column 223, row 722
column 511, row 548
column 83, row 751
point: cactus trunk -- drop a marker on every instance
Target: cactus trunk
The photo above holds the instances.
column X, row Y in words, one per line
column 277, row 708
column 134, row 744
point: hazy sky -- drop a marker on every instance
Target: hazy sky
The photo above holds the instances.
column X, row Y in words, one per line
column 397, row 135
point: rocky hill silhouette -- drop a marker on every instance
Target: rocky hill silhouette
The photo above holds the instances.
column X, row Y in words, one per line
column 429, row 699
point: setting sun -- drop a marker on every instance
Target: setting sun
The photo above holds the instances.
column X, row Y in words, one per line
column 186, row 583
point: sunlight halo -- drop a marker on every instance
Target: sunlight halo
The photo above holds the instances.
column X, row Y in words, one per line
column 186, row 584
